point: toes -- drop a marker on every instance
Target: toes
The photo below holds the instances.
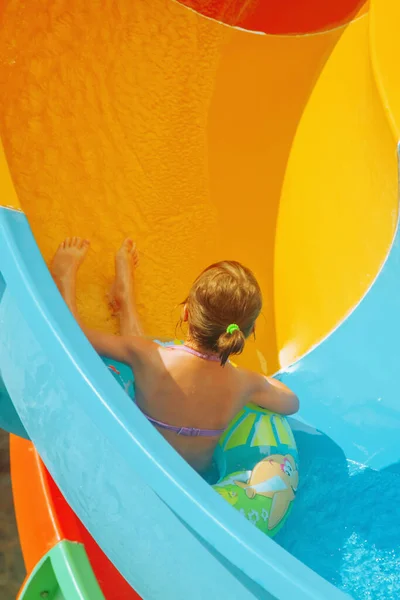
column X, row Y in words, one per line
column 75, row 242
column 128, row 244
column 80, row 243
column 133, row 250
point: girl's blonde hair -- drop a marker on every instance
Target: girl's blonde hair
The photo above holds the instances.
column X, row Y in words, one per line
column 225, row 293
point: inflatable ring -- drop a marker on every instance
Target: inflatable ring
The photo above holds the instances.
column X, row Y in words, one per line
column 256, row 459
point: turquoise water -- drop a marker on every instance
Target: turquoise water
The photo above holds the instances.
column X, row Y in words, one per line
column 345, row 524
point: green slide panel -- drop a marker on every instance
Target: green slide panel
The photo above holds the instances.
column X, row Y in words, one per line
column 64, row 573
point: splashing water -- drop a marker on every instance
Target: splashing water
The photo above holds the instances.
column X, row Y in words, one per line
column 345, row 525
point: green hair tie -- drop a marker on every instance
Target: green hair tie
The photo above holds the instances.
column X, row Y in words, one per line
column 232, row 327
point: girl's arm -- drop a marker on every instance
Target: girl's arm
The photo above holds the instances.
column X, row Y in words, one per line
column 116, row 347
column 123, row 348
column 273, row 395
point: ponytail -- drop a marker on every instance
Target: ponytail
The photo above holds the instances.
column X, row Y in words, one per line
column 226, row 292
column 230, row 342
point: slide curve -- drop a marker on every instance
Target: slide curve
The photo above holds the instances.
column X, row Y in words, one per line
column 207, row 133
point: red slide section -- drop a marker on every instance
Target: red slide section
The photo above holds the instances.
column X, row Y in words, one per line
column 44, row 518
column 280, row 16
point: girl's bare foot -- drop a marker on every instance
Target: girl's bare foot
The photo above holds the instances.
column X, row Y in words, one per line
column 122, row 291
column 66, row 262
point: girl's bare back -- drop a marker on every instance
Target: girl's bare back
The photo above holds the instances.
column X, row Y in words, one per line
column 186, row 391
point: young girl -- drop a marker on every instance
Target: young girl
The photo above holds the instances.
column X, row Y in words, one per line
column 189, row 392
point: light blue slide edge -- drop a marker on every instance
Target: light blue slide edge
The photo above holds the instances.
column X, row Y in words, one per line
column 349, row 384
column 9, row 419
column 163, row 527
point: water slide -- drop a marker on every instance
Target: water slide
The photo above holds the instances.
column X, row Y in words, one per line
column 251, row 130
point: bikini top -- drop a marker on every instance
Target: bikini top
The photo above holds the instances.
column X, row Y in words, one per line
column 188, row 431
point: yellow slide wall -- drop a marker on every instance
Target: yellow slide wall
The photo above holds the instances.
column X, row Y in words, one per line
column 338, row 207
column 8, row 196
column 385, row 50
column 147, row 119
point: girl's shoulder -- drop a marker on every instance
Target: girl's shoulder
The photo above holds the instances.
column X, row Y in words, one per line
column 142, row 348
column 249, row 380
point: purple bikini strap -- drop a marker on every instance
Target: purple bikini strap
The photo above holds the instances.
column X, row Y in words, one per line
column 187, row 431
column 194, row 352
